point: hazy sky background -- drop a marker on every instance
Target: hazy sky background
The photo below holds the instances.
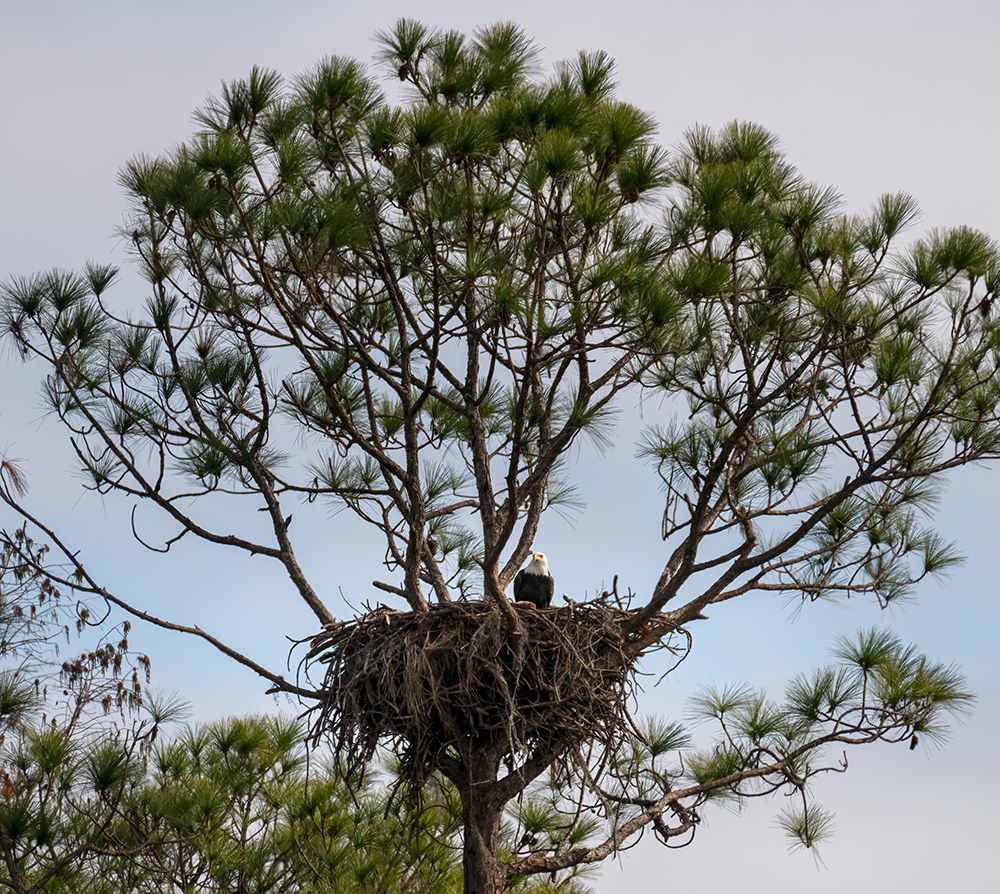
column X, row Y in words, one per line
column 871, row 97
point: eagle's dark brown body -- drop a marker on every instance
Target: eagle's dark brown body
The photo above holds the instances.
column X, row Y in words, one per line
column 533, row 583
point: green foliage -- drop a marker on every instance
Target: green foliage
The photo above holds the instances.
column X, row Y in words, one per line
column 363, row 243
column 807, row 827
column 230, row 806
column 17, row 698
column 319, row 258
column 879, row 690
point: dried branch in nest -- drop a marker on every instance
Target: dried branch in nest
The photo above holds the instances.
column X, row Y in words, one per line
column 426, row 682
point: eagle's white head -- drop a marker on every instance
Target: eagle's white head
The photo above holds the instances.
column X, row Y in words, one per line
column 538, row 565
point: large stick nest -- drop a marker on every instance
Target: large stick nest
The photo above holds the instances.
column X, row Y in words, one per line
column 424, row 682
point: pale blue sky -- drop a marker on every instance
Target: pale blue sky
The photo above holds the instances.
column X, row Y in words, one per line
column 871, row 97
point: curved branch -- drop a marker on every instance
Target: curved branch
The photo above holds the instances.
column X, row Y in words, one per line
column 82, row 582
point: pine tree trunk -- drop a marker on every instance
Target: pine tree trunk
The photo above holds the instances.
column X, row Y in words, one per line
column 482, row 811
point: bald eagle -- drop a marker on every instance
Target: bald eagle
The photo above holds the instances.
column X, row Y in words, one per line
column 534, row 583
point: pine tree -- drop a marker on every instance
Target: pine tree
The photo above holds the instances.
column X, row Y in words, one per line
column 441, row 297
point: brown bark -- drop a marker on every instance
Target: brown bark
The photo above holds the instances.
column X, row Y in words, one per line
column 482, row 812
